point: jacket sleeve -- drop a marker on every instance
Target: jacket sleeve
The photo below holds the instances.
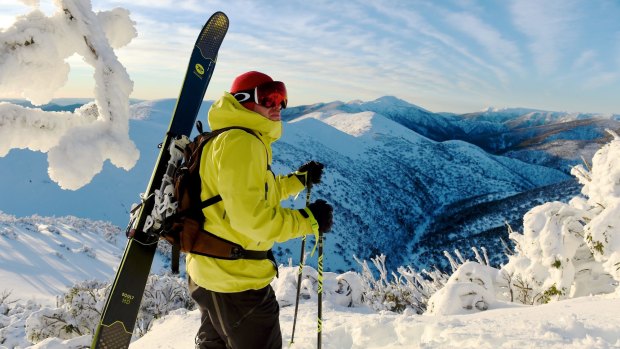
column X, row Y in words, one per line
column 288, row 185
column 252, row 208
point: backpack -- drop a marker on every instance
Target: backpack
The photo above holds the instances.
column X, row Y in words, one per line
column 184, row 228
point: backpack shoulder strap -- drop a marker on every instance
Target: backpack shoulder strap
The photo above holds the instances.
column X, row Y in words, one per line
column 210, row 135
column 250, row 131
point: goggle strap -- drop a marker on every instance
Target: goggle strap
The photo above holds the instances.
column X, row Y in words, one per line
column 246, row 96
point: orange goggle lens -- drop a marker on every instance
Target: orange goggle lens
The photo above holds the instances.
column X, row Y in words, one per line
column 268, row 95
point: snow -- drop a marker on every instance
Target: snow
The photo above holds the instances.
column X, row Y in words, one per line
column 42, row 256
column 33, row 65
column 583, row 323
column 572, row 249
column 75, row 249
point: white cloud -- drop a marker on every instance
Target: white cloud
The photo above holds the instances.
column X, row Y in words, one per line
column 176, row 5
column 587, row 60
column 365, row 49
column 505, row 52
column 32, row 3
column 617, row 50
column 549, row 25
column 602, row 80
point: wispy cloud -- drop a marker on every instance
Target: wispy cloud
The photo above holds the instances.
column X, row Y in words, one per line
column 587, row 60
column 617, row 50
column 464, row 52
column 600, row 80
column 451, row 55
column 504, row 51
column 550, row 27
column 175, row 5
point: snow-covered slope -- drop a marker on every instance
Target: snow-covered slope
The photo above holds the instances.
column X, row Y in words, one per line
column 369, row 158
column 43, row 256
column 584, row 323
column 522, row 117
column 47, row 255
column 40, row 255
column 388, row 182
column 553, row 139
column 431, row 125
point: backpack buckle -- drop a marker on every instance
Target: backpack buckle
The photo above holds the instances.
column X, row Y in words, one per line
column 237, row 252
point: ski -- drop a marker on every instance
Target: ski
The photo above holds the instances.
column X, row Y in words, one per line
column 119, row 314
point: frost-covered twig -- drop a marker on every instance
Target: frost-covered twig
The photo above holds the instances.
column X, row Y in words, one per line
column 407, row 288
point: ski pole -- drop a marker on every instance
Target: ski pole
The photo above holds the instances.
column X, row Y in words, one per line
column 320, row 292
column 299, row 272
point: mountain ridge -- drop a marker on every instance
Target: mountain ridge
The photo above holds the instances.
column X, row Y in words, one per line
column 388, row 183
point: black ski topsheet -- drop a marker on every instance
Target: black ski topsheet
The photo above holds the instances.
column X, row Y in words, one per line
column 121, row 309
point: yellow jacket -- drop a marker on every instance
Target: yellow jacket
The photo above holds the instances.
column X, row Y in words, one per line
column 235, row 166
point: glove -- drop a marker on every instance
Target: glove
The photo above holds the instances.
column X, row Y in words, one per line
column 310, row 173
column 323, row 213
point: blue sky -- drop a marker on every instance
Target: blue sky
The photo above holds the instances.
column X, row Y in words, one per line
column 451, row 55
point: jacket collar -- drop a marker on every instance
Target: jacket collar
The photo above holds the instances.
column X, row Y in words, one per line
column 227, row 112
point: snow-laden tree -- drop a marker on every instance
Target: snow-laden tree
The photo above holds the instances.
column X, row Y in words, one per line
column 162, row 295
column 553, row 259
column 602, row 187
column 471, row 288
column 77, row 314
column 573, row 249
column 566, row 250
column 407, row 289
column 79, row 309
column 33, row 54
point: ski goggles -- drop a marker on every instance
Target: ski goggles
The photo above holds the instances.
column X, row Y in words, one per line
column 268, row 95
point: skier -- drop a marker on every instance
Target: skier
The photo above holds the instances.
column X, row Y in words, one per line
column 238, row 306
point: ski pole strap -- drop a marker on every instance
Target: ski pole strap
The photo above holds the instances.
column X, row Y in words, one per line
column 210, row 245
column 306, row 213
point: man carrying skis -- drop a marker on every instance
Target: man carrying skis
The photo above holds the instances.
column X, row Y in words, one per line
column 238, row 306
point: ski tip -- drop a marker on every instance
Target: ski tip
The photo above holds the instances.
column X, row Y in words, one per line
column 219, row 18
column 219, row 13
column 212, row 35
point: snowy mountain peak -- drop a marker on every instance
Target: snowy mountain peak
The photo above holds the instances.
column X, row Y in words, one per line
column 356, row 124
column 158, row 109
column 365, row 123
column 510, row 110
column 386, row 103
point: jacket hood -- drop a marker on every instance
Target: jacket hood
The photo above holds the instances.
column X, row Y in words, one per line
column 227, row 112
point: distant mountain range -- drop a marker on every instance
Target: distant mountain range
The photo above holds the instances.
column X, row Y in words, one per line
column 553, row 139
column 404, row 181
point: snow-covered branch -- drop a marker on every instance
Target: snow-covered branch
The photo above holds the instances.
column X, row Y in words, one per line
column 33, row 54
